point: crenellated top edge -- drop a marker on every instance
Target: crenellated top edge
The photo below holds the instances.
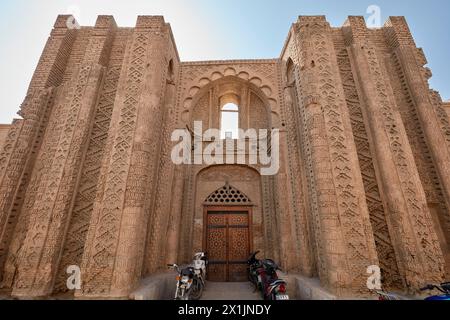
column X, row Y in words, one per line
column 355, row 29
column 105, row 22
column 238, row 61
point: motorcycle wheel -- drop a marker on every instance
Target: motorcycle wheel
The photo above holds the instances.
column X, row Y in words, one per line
column 197, row 290
column 182, row 295
column 254, row 282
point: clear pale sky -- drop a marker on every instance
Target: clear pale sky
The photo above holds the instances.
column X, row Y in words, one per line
column 206, row 30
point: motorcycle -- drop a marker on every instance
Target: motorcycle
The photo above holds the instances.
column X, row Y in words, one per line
column 191, row 280
column 444, row 288
column 263, row 275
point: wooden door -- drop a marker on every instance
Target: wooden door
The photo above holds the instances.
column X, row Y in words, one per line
column 228, row 244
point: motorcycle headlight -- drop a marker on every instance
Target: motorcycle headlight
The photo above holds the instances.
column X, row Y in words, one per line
column 185, row 279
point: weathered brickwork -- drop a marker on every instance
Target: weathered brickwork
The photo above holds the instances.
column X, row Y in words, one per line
column 86, row 176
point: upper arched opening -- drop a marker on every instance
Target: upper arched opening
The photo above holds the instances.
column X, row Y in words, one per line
column 229, row 104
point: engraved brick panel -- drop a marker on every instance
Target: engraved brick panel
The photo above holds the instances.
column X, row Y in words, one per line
column 406, row 210
column 341, row 212
column 51, row 212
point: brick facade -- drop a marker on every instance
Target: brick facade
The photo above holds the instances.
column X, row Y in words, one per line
column 86, row 176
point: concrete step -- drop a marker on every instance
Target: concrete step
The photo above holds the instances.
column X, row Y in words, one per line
column 230, row 291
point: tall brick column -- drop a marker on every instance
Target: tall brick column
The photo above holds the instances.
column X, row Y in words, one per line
column 164, row 192
column 114, row 252
column 412, row 62
column 173, row 233
column 51, row 211
column 25, row 137
column 298, row 195
column 346, row 246
column 416, row 245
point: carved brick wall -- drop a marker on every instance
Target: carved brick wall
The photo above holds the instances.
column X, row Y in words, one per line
column 156, row 249
column 4, row 129
column 114, row 255
column 82, row 210
column 50, row 214
column 403, row 193
column 386, row 254
column 340, row 212
column 15, row 181
column 430, row 136
column 298, row 178
column 445, row 106
column 24, row 143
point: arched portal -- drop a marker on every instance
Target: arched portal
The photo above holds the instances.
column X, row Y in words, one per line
column 228, row 221
column 229, row 230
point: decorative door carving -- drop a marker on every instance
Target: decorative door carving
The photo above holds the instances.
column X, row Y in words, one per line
column 227, row 243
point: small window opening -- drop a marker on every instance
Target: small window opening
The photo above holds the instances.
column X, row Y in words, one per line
column 230, row 121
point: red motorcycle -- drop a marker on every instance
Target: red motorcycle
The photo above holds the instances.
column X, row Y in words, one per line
column 263, row 274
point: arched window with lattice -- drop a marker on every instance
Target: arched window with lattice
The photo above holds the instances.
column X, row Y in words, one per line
column 228, row 195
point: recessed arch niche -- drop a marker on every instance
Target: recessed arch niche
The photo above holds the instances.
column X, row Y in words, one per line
column 254, row 105
column 244, row 178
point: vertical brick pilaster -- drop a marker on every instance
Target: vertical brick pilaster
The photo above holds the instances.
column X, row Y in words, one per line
column 415, row 242
column 345, row 238
column 158, row 223
column 15, row 180
column 15, row 174
column 114, row 253
column 51, row 211
column 300, row 205
column 92, row 175
column 173, row 234
column 412, row 61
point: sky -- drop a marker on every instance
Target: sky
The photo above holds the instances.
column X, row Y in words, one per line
column 207, row 30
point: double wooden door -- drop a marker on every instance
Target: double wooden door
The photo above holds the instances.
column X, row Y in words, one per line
column 228, row 244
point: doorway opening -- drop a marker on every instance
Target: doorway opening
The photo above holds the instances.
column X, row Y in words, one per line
column 228, row 242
